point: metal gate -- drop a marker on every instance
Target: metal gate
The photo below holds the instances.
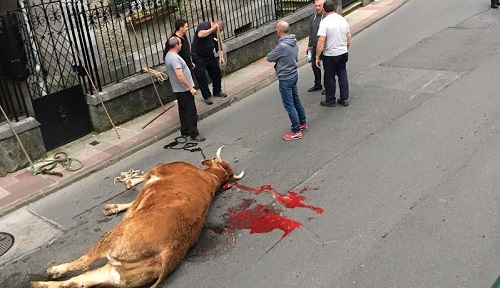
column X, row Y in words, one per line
column 49, row 60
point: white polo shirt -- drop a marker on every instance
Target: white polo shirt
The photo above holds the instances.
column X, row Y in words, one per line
column 335, row 28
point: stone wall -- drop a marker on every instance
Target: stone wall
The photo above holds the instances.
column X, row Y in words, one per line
column 11, row 154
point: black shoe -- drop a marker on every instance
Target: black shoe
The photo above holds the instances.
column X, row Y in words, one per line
column 209, row 101
column 344, row 103
column 314, row 88
column 327, row 103
column 198, row 138
column 494, row 6
column 323, row 92
column 220, row 94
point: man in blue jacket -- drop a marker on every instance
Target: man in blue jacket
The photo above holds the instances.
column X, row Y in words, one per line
column 285, row 56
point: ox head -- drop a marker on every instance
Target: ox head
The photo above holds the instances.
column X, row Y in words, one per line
column 222, row 170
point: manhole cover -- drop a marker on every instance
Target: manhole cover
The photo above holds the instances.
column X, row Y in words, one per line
column 213, row 242
column 6, row 241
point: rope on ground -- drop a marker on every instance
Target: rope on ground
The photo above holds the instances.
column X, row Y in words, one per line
column 188, row 146
column 50, row 163
column 129, row 175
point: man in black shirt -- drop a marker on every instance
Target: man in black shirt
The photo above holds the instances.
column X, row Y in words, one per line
column 202, row 51
column 181, row 28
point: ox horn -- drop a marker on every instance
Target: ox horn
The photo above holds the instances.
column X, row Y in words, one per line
column 239, row 176
column 218, row 154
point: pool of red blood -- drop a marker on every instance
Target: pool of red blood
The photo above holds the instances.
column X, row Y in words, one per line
column 266, row 218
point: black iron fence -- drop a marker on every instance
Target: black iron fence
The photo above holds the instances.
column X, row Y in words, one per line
column 63, row 43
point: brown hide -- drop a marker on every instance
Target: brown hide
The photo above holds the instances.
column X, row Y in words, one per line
column 163, row 222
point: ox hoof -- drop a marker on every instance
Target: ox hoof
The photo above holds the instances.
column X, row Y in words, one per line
column 110, row 209
column 54, row 272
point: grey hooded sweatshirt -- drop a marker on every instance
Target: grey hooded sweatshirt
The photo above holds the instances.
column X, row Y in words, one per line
column 285, row 55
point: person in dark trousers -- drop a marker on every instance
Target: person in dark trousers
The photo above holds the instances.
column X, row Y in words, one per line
column 334, row 38
column 202, row 51
column 182, row 84
column 285, row 55
column 495, row 3
column 313, row 40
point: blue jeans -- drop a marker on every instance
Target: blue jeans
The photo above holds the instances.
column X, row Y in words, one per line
column 291, row 102
column 203, row 65
column 336, row 66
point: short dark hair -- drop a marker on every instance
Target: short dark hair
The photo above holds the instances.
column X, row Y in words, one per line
column 179, row 23
column 329, row 6
column 172, row 41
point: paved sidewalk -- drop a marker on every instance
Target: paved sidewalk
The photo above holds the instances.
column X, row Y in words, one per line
column 100, row 150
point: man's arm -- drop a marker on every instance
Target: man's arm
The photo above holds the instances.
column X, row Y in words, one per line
column 275, row 54
column 319, row 49
column 348, row 39
column 183, row 80
column 205, row 33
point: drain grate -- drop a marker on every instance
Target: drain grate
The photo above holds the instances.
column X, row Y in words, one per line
column 6, row 242
column 213, row 242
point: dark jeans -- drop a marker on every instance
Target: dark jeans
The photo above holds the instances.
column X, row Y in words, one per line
column 316, row 70
column 202, row 66
column 187, row 113
column 291, row 102
column 336, row 66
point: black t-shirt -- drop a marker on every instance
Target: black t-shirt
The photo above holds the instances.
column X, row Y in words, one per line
column 185, row 52
column 204, row 46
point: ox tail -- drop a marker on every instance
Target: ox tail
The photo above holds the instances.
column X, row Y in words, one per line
column 166, row 259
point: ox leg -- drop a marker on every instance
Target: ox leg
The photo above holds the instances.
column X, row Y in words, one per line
column 95, row 253
column 105, row 275
column 129, row 183
column 110, row 209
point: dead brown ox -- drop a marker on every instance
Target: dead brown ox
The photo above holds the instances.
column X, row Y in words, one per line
column 161, row 224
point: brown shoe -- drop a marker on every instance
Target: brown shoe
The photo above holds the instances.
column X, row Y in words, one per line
column 220, row 94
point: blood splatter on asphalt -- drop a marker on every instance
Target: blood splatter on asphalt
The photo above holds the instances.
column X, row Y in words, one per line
column 266, row 218
column 292, row 200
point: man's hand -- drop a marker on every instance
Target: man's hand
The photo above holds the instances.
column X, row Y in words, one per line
column 318, row 62
column 192, row 90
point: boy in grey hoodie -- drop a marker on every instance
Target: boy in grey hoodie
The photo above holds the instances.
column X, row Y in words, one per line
column 285, row 56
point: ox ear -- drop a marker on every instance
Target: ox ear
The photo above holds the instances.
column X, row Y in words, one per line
column 207, row 162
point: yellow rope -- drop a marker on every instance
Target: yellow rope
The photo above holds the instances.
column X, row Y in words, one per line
column 159, row 75
column 222, row 58
column 222, row 53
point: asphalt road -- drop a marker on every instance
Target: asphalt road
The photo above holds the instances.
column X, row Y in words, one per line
column 407, row 175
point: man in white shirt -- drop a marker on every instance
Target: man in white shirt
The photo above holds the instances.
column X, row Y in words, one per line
column 334, row 38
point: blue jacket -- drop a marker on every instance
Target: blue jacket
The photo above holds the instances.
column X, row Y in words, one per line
column 285, row 55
